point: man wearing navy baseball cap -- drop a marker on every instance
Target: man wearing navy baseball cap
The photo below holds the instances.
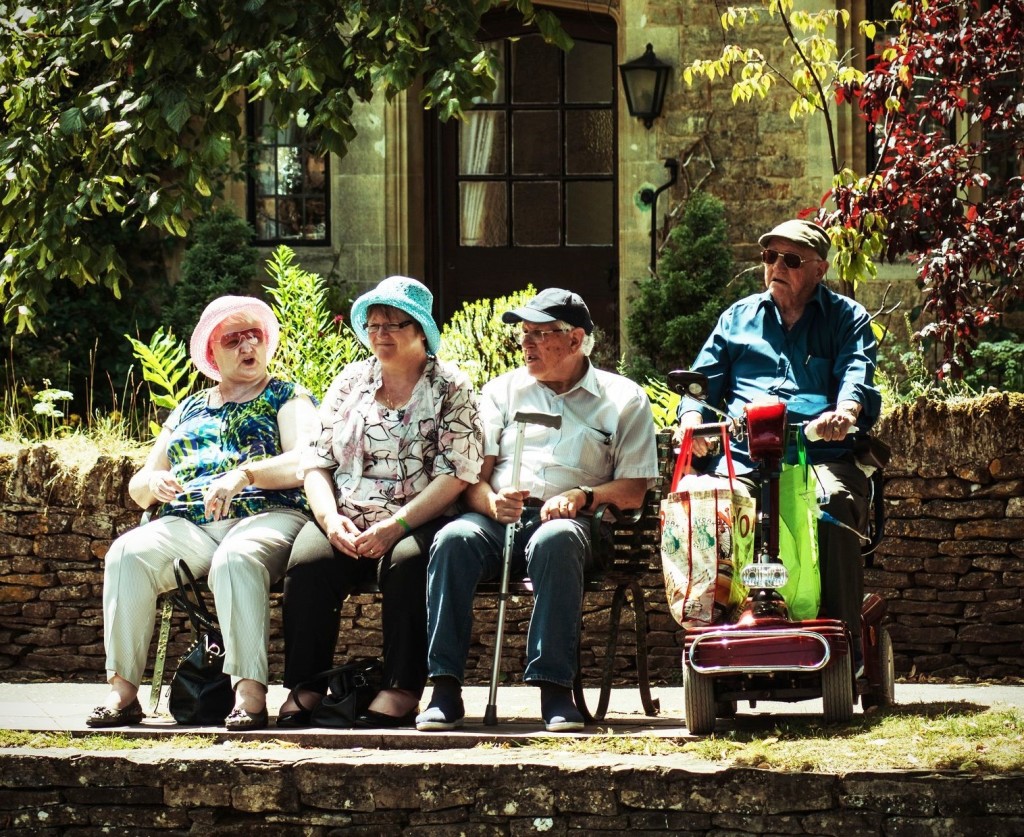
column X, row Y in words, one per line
column 602, row 451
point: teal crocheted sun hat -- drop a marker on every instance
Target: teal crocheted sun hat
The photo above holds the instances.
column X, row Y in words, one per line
column 405, row 294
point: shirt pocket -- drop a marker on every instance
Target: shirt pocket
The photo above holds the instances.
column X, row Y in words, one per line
column 595, row 453
column 817, row 374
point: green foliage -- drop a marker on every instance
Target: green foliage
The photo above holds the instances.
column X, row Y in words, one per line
column 168, row 370
column 998, row 364
column 133, row 112
column 664, row 403
column 219, row 260
column 673, row 313
column 904, row 375
column 49, row 414
column 815, row 63
column 315, row 346
column 478, row 341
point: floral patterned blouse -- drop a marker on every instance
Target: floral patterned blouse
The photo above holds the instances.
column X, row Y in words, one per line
column 383, row 458
column 208, row 441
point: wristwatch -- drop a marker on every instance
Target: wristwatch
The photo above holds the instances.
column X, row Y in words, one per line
column 588, row 493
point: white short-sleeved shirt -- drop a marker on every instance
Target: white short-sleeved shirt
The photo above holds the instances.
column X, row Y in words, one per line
column 607, row 432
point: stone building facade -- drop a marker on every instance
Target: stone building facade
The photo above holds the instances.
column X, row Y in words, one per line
column 394, row 206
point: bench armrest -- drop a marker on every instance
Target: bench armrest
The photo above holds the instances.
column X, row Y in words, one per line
column 628, row 525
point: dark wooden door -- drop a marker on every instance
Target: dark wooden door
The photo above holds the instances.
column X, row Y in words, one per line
column 525, row 190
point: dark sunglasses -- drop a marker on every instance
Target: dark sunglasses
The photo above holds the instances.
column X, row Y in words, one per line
column 790, row 260
column 234, row 339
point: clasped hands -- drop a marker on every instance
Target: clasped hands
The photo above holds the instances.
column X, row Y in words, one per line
column 217, row 494
column 373, row 543
column 508, row 506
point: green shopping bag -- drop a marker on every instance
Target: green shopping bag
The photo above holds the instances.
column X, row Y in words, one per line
column 798, row 536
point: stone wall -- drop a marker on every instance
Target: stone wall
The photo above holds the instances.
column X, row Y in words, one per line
column 479, row 792
column 951, row 566
column 952, row 562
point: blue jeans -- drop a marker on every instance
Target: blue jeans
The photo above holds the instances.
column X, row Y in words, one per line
column 469, row 550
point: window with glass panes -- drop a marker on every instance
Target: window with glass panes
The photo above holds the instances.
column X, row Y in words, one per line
column 288, row 196
column 535, row 160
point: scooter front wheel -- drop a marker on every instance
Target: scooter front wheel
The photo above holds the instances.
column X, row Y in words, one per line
column 699, row 698
column 837, row 690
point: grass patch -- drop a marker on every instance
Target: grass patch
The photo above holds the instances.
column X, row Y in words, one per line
column 79, row 451
column 10, row 739
column 940, row 737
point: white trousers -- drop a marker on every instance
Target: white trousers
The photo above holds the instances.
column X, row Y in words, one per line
column 242, row 557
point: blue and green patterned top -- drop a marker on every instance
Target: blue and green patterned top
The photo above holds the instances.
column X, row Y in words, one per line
column 208, row 441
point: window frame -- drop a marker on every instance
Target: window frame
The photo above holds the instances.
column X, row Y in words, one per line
column 305, row 150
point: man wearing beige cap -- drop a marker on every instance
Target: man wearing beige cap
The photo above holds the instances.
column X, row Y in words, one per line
column 812, row 348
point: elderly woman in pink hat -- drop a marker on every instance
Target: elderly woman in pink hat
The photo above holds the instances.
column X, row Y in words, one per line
column 223, row 479
column 401, row 439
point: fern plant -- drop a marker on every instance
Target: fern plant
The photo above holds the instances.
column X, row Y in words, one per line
column 314, row 345
column 664, row 402
column 478, row 341
column 167, row 369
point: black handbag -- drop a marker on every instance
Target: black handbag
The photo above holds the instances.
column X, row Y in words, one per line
column 201, row 692
column 351, row 689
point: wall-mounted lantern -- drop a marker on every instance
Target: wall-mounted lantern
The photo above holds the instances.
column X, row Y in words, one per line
column 644, row 80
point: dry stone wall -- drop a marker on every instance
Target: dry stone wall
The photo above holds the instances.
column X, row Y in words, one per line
column 951, row 566
column 458, row 792
column 952, row 562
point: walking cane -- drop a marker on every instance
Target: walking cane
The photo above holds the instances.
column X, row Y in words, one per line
column 521, row 419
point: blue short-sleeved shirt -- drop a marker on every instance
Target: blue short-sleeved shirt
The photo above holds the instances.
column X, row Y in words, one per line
column 828, row 356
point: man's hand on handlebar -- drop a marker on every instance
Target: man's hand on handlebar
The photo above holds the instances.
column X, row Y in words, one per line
column 692, row 418
column 830, row 427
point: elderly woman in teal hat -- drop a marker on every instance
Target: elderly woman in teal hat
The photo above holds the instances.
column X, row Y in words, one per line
column 400, row 440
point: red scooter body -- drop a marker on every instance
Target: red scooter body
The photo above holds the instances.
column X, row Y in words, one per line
column 764, row 655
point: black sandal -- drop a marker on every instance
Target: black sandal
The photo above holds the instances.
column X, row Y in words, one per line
column 297, row 719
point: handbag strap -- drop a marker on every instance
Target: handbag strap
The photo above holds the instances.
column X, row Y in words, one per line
column 727, row 451
column 191, row 600
column 801, row 455
column 685, row 458
column 358, row 664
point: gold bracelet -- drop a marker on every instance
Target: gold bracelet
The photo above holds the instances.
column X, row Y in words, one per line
column 249, row 475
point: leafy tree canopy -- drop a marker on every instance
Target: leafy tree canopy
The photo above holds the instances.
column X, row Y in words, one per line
column 132, row 109
column 945, row 98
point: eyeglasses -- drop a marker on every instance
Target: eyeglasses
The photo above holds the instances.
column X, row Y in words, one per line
column 387, row 328
column 537, row 336
column 233, row 339
column 790, row 260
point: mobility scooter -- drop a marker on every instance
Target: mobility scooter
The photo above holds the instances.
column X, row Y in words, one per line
column 759, row 652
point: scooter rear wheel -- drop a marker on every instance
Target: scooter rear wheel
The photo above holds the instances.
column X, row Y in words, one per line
column 699, row 698
column 885, row 693
column 837, row 690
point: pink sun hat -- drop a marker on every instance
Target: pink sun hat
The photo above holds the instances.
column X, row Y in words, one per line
column 217, row 312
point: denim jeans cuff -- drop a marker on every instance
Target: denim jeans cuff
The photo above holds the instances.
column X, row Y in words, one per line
column 537, row 679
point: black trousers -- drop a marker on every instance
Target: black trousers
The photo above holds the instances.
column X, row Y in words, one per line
column 319, row 579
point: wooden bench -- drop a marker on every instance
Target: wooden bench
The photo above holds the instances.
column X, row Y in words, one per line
column 620, row 561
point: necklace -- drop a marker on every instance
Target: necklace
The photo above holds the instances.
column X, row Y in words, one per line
column 395, row 404
column 391, row 400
